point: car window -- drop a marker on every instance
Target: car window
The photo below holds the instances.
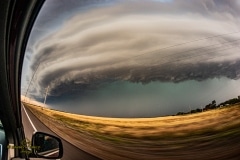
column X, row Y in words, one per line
column 2, row 140
column 147, row 79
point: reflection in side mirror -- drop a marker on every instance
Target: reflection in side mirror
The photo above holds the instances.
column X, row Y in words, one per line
column 46, row 146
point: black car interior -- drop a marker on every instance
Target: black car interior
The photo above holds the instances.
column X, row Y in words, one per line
column 16, row 20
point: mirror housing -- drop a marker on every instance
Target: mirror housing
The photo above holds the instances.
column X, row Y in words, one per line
column 46, row 146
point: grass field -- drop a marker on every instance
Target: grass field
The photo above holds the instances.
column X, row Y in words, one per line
column 147, row 138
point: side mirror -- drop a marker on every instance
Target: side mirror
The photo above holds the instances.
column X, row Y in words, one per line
column 46, row 146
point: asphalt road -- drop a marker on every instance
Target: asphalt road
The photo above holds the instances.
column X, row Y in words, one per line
column 32, row 124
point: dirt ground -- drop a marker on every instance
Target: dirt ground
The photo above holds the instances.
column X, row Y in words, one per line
column 208, row 135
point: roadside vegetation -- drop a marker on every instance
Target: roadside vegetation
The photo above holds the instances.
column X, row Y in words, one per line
column 213, row 105
column 114, row 138
column 212, row 121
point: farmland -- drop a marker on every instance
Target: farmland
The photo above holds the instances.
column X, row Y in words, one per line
column 215, row 132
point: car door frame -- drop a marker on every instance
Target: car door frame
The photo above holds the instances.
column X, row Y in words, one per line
column 16, row 20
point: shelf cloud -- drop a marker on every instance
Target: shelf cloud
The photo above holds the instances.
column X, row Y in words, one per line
column 140, row 42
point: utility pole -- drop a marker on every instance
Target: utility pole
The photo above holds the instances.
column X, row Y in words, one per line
column 31, row 80
column 190, row 109
column 46, row 96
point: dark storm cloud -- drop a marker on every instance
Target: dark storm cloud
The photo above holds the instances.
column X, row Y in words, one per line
column 55, row 12
column 136, row 41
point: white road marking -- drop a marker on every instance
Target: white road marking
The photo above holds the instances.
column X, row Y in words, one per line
column 34, row 128
column 49, row 154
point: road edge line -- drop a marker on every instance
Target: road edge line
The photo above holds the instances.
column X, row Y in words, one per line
column 34, row 128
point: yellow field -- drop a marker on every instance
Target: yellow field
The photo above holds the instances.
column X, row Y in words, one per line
column 130, row 135
column 216, row 120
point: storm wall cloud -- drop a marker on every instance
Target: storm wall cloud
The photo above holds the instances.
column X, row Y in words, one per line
column 140, row 41
column 132, row 58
